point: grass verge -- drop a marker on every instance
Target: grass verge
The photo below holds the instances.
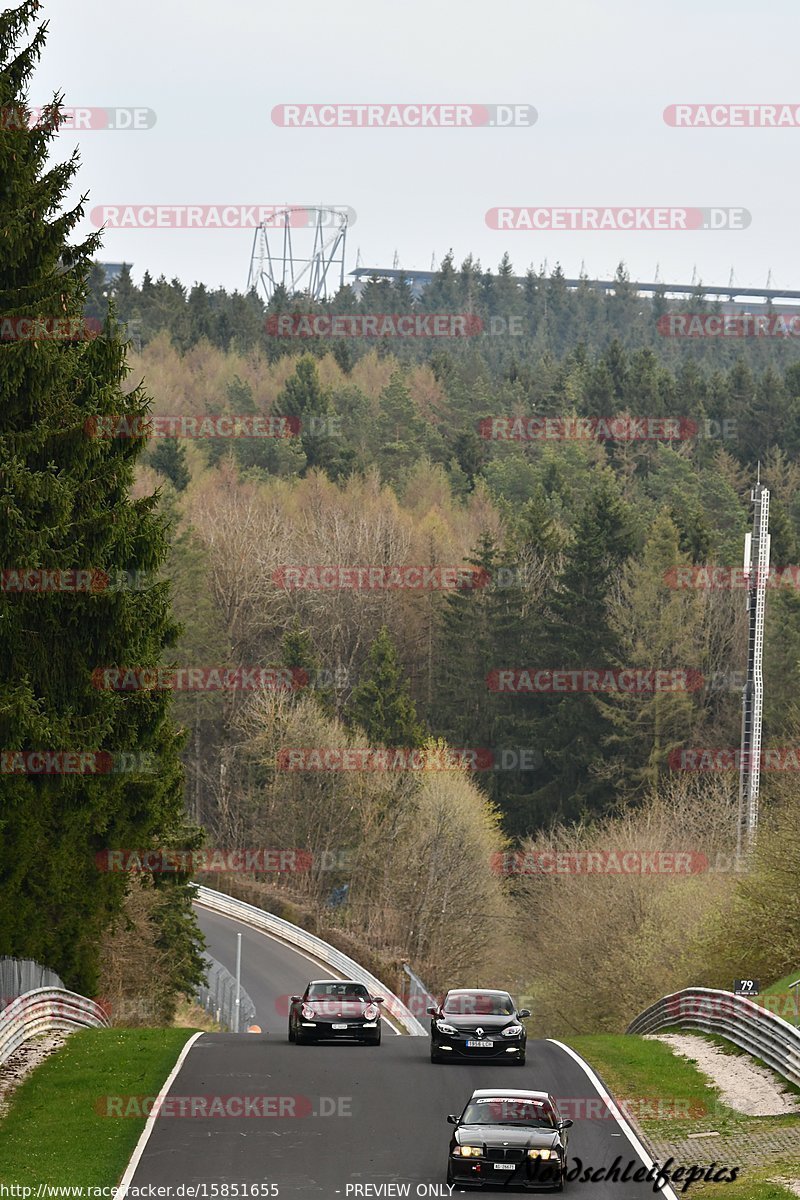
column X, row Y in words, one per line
column 53, row 1132
column 778, row 999
column 669, row 1098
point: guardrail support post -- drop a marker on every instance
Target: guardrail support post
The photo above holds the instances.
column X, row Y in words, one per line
column 238, row 982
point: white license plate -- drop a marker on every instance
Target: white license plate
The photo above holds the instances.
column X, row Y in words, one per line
column 338, row 1026
column 479, row 1045
column 504, row 1166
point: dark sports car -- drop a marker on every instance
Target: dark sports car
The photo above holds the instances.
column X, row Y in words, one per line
column 478, row 1024
column 331, row 1009
column 508, row 1138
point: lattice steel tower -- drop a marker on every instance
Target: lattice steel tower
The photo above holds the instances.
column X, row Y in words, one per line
column 756, row 567
column 301, row 249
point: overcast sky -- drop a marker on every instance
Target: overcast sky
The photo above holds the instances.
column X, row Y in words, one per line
column 599, row 73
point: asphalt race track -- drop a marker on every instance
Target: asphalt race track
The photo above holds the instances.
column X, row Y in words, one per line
column 351, row 1115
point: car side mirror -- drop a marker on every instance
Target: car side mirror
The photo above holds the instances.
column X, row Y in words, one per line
column 451, row 1119
column 294, row 999
column 431, row 1012
column 378, row 1000
column 524, row 1012
column 566, row 1124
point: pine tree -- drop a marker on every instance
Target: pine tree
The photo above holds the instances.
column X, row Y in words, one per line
column 380, row 703
column 401, row 431
column 465, row 711
column 303, row 397
column 297, row 652
column 578, row 635
column 64, row 503
column 168, row 457
column 661, row 629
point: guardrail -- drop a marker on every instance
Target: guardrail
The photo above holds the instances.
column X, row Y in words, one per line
column 329, row 955
column 750, row 1027
column 42, row 1011
column 218, row 997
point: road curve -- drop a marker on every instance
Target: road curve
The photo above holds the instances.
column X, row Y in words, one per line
column 350, row 1115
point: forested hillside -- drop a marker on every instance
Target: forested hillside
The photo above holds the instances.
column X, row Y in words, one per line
column 576, row 542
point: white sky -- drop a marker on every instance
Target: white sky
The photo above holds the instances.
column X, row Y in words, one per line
column 599, row 73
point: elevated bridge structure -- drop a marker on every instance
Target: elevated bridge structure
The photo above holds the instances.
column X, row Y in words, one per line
column 732, row 297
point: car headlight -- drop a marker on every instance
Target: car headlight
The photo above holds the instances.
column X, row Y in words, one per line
column 443, row 1027
column 512, row 1031
column 469, row 1151
column 307, row 1012
column 544, row 1153
column 371, row 1012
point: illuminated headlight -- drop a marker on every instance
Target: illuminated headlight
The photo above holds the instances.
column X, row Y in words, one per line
column 307, row 1012
column 545, row 1153
column 443, row 1027
column 371, row 1012
column 468, row 1151
column 512, row 1031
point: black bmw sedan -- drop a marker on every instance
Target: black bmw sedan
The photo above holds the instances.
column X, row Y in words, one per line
column 478, row 1024
column 330, row 1009
column 509, row 1138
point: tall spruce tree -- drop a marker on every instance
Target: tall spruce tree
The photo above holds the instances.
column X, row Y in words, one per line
column 65, row 503
column 380, row 703
column 573, row 729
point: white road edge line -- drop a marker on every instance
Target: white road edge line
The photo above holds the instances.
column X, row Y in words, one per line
column 667, row 1191
column 281, row 942
column 130, row 1170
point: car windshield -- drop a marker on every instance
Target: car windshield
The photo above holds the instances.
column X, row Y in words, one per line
column 479, row 1004
column 337, row 991
column 499, row 1110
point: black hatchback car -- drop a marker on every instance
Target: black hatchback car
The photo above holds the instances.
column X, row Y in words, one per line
column 509, row 1138
column 330, row 1009
column 478, row 1024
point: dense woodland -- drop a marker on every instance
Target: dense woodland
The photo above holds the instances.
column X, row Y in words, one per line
column 389, row 468
column 578, row 539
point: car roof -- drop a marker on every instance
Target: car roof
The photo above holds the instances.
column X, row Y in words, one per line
column 355, row 981
column 477, row 992
column 511, row 1093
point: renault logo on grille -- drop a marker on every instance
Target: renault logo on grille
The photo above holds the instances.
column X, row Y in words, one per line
column 479, row 1031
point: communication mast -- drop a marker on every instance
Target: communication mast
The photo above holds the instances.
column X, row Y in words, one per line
column 302, row 250
column 756, row 569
